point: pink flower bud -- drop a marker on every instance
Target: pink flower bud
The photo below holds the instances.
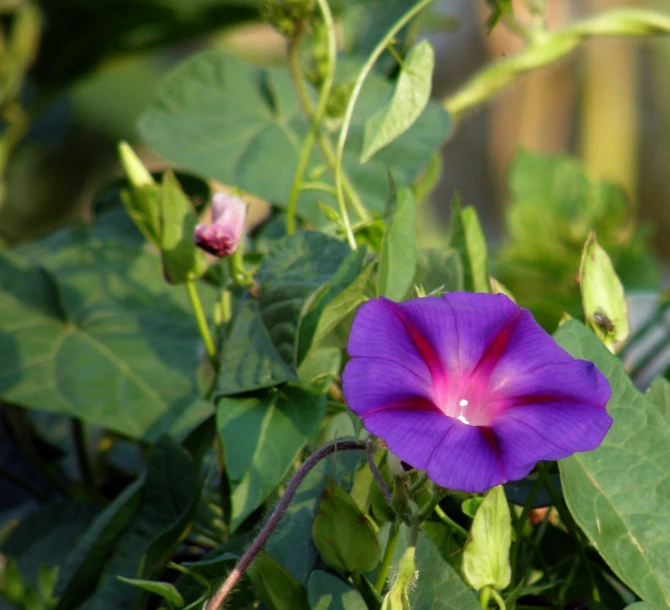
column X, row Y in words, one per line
column 222, row 236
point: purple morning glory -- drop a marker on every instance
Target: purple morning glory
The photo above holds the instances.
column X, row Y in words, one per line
column 222, row 237
column 470, row 388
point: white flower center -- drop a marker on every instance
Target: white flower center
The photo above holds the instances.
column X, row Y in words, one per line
column 463, row 403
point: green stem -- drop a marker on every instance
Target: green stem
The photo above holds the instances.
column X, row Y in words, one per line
column 461, row 531
column 81, row 450
column 484, row 595
column 358, row 86
column 499, row 600
column 356, row 203
column 568, row 580
column 201, row 321
column 238, row 272
column 319, row 186
column 387, row 560
column 316, row 117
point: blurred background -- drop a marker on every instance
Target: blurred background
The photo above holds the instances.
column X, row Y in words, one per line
column 75, row 75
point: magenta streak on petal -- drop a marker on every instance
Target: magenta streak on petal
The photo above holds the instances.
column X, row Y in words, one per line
column 426, row 351
column 496, row 348
column 510, row 402
column 415, row 403
column 489, row 436
column 483, row 410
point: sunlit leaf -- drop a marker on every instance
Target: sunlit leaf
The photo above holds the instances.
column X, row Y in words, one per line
column 619, row 493
column 262, row 434
column 398, row 259
column 412, row 92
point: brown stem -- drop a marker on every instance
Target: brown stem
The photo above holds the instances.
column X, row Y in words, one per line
column 229, row 584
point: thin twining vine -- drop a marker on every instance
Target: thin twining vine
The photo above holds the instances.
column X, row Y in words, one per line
column 233, row 578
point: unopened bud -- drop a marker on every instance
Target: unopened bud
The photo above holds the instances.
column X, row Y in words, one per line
column 222, row 237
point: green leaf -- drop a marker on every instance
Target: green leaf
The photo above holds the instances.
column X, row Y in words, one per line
column 262, row 435
column 602, row 295
column 639, row 606
column 343, row 304
column 251, row 360
column 486, row 554
column 263, row 348
column 346, row 275
column 618, row 493
column 275, row 586
column 411, row 95
column 467, row 238
column 78, row 576
column 241, row 125
column 343, row 535
column 165, row 590
column 399, row 253
column 328, row 592
column 471, row 505
column 182, row 260
column 319, row 368
column 169, row 496
column 103, row 318
column 658, row 395
column 437, row 271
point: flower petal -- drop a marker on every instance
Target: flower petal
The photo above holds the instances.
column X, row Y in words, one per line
column 379, row 332
column 461, row 326
column 467, row 458
column 411, row 435
column 544, row 432
column 576, row 381
column 454, row 454
column 371, row 384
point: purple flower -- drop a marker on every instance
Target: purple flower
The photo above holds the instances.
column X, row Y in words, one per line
column 469, row 388
column 222, row 237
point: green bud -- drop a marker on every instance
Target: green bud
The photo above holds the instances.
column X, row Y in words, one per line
column 339, row 99
column 143, row 200
column 287, row 16
column 165, row 216
column 603, row 298
column 137, row 173
column 398, row 596
column 182, row 259
column 399, row 497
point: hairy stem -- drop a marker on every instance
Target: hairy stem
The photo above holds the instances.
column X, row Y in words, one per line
column 259, row 542
column 386, row 492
